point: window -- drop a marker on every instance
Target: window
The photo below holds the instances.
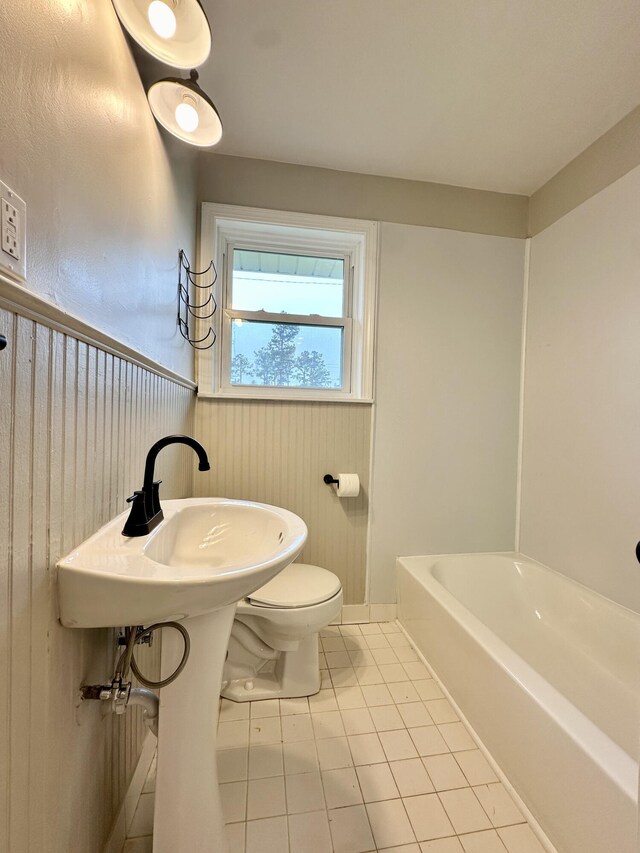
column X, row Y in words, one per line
column 296, row 305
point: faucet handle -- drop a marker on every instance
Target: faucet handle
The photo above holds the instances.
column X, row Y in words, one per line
column 135, row 496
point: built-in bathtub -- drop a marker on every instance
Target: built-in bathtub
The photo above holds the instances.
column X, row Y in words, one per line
column 547, row 673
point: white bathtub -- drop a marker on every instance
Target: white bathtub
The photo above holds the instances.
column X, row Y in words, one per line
column 548, row 674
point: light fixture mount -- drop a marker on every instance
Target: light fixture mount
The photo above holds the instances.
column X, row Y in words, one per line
column 176, row 32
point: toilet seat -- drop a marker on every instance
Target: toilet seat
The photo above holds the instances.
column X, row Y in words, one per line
column 297, row 585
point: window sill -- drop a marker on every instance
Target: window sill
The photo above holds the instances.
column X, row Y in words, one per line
column 284, row 398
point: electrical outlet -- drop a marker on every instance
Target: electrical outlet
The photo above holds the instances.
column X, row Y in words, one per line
column 13, row 222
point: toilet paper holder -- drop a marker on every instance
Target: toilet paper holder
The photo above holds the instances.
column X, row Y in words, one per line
column 329, row 479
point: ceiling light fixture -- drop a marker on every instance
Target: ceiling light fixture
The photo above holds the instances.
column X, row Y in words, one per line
column 187, row 112
column 176, row 32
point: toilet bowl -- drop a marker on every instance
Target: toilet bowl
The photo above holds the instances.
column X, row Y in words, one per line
column 273, row 649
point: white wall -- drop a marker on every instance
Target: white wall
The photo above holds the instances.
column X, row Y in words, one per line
column 581, row 453
column 447, row 386
column 107, row 208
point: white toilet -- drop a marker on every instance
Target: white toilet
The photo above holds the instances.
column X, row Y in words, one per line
column 273, row 649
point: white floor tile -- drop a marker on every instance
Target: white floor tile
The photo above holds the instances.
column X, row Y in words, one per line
column 456, row 736
column 442, row 845
column 362, row 657
column 415, row 714
column 475, row 767
column 265, row 761
column 386, row 655
column 390, row 628
column 416, row 670
column 234, row 801
column 482, row 842
column 366, row 749
column 377, row 694
column 142, row 823
column 404, row 848
column 403, row 691
column 298, row 705
column 350, row 630
column 350, row 830
column 309, row 833
column 333, row 644
column 300, row 757
column 264, row 730
column 428, row 817
column 341, row 787
column 389, row 823
column 334, row 753
column 520, row 839
column 428, row 689
column 344, row 677
column 327, row 724
column 232, row 764
column 392, row 672
column 368, row 675
column 355, row 642
column 371, row 628
column 266, row 798
column 233, row 733
column 304, row 793
column 377, row 641
column 233, row 710
column 269, row 835
column 386, row 718
column 406, row 653
column 428, row 740
column 357, row 721
column 377, row 783
column 324, row 700
column 442, row 711
column 236, row 836
column 336, row 660
column 330, row 631
column 444, row 772
column 464, row 810
column 411, row 777
column 498, row 805
column 398, row 745
column 296, row 727
column 265, row 708
column 138, row 845
column 349, row 697
column 398, row 641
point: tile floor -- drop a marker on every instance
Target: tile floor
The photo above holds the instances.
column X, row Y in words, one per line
column 376, row 761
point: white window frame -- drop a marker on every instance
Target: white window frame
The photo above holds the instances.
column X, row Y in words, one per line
column 225, row 227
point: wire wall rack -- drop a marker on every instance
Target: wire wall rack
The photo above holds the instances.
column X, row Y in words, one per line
column 196, row 302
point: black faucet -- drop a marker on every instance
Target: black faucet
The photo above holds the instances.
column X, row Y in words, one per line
column 146, row 512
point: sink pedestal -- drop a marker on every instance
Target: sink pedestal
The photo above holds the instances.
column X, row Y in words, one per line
column 188, row 814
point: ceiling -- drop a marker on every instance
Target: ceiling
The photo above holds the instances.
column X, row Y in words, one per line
column 491, row 94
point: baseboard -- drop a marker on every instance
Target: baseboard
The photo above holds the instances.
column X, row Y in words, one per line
column 121, row 824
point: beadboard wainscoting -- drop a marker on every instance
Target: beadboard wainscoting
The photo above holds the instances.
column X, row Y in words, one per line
column 277, row 453
column 75, row 425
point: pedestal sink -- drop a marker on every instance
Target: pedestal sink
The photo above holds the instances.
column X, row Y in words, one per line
column 206, row 555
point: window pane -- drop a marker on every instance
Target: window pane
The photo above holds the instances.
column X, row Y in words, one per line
column 289, row 284
column 286, row 355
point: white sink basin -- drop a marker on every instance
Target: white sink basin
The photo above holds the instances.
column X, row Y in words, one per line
column 206, row 554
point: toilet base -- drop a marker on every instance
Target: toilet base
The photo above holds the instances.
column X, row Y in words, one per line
column 291, row 675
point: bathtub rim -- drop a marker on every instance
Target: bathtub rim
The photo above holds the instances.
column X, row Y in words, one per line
column 584, row 732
